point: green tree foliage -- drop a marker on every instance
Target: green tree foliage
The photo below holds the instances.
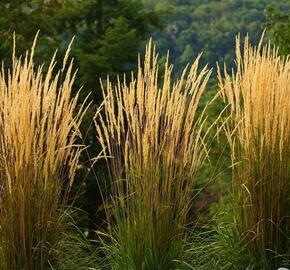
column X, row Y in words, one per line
column 209, row 26
column 25, row 18
column 109, row 33
column 113, row 33
column 278, row 24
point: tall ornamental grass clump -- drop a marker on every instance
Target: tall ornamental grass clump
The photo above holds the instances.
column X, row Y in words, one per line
column 258, row 94
column 154, row 142
column 38, row 158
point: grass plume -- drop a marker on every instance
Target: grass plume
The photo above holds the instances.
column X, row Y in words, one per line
column 258, row 93
column 38, row 158
column 155, row 143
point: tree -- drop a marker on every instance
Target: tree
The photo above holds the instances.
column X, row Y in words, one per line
column 210, row 26
column 278, row 24
column 25, row 18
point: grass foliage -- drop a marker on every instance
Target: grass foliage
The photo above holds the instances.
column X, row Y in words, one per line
column 38, row 159
column 258, row 131
column 155, row 136
column 155, row 145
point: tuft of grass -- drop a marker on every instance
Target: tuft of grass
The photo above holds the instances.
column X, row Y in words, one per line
column 219, row 245
column 258, row 131
column 155, row 143
column 38, row 159
column 73, row 250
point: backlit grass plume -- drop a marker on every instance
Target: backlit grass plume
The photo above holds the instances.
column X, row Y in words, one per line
column 259, row 134
column 38, row 158
column 155, row 143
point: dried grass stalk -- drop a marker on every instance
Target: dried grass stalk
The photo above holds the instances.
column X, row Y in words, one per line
column 38, row 158
column 155, row 143
column 258, row 93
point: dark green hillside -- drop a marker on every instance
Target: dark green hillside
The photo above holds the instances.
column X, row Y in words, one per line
column 209, row 26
